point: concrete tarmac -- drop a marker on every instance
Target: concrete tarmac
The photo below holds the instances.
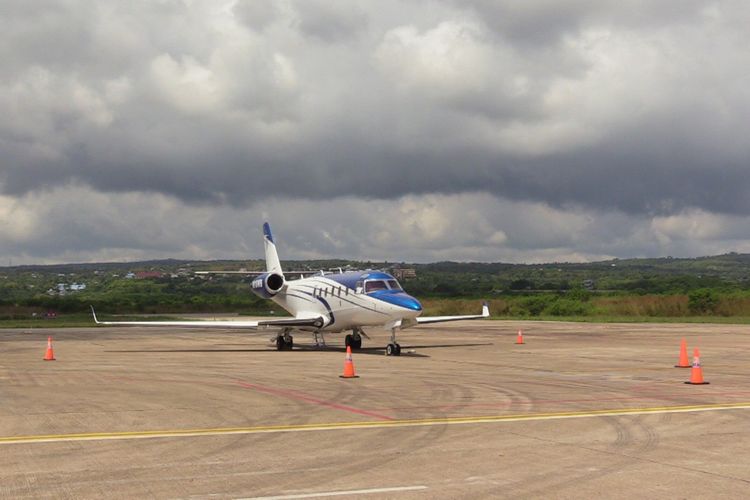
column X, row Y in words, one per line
column 579, row 411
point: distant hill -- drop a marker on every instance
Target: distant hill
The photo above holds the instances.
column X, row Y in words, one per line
column 731, row 266
column 171, row 285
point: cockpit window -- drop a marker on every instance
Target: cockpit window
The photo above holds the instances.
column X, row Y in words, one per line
column 373, row 285
column 393, row 285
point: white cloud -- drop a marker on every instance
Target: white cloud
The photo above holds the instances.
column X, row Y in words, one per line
column 186, row 84
column 428, row 130
column 446, row 61
column 79, row 224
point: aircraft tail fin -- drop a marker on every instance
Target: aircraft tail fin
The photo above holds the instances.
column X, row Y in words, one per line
column 273, row 265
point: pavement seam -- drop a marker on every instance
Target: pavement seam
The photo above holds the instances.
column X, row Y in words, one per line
column 627, row 455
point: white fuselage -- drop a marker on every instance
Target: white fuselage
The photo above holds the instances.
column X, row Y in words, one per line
column 343, row 307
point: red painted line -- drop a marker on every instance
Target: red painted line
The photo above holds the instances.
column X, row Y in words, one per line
column 304, row 397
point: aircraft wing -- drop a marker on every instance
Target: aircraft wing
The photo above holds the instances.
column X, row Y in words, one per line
column 246, row 273
column 316, row 322
column 440, row 319
column 251, row 273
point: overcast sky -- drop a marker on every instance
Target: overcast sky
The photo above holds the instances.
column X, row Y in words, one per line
column 518, row 131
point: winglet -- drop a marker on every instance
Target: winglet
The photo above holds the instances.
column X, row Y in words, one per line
column 485, row 310
column 94, row 314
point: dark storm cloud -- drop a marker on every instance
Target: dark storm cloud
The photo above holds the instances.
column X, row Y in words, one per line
column 256, row 15
column 331, row 21
column 629, row 106
column 545, row 22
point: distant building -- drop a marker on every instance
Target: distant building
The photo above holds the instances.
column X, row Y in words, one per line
column 140, row 275
column 404, row 273
column 63, row 288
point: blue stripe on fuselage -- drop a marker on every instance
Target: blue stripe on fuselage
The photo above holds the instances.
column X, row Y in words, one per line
column 357, row 300
column 330, row 311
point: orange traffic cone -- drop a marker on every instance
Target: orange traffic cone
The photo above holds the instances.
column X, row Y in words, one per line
column 50, row 355
column 684, row 362
column 519, row 339
column 348, row 365
column 696, row 374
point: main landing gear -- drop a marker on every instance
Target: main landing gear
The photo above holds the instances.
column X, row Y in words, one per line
column 284, row 342
column 354, row 340
column 393, row 349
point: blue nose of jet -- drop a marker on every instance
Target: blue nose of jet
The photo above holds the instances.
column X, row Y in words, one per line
column 400, row 299
column 410, row 302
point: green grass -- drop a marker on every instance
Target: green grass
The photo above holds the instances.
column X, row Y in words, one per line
column 729, row 320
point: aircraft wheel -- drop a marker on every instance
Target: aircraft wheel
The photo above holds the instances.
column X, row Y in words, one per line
column 349, row 341
column 357, row 343
column 390, row 350
column 283, row 345
column 398, row 349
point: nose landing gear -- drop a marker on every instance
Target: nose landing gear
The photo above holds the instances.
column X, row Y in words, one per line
column 393, row 349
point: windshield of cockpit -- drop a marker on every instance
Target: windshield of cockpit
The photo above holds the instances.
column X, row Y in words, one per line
column 375, row 285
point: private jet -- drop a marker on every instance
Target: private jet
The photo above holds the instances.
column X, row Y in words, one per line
column 325, row 303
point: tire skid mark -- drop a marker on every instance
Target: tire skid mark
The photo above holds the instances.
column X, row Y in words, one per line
column 676, row 396
column 361, row 457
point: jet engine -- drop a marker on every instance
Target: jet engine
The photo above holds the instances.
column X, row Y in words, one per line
column 267, row 285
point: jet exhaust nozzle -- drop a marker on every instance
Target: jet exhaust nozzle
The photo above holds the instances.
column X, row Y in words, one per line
column 267, row 285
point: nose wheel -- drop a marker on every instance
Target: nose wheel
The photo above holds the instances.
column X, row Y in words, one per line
column 393, row 350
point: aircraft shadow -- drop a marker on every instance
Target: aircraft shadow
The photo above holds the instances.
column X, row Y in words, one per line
column 146, row 351
column 378, row 351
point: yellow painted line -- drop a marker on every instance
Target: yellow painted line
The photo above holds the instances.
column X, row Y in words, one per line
column 376, row 424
